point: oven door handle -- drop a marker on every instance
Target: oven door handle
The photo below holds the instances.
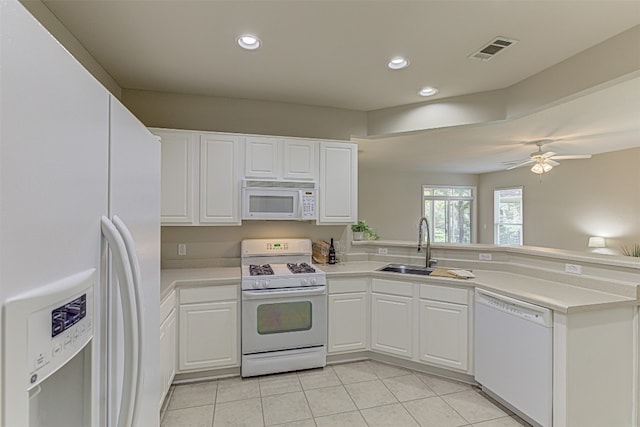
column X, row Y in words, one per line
column 284, row 293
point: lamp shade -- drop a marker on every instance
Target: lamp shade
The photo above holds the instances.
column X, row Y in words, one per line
column 596, row 242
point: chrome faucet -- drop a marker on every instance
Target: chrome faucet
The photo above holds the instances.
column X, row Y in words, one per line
column 428, row 260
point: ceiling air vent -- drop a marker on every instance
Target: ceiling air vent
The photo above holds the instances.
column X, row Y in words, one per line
column 493, row 48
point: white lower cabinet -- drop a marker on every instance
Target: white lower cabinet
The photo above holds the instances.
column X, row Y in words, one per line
column 167, row 343
column 444, row 334
column 348, row 315
column 209, row 328
column 392, row 317
column 444, row 326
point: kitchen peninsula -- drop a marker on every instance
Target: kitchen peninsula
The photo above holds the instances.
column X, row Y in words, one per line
column 595, row 317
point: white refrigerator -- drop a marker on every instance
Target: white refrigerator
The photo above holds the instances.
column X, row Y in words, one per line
column 79, row 206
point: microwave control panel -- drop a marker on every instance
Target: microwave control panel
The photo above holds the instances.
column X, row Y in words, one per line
column 308, row 204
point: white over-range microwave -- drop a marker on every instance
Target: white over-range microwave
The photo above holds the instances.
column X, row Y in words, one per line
column 279, row 200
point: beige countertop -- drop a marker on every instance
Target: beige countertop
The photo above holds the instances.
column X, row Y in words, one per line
column 557, row 296
column 170, row 278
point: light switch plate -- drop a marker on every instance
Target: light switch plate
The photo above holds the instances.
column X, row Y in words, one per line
column 182, row 249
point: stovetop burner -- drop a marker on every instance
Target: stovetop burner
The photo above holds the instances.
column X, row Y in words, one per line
column 260, row 270
column 303, row 267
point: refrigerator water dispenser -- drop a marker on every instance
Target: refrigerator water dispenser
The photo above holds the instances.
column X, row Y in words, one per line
column 48, row 344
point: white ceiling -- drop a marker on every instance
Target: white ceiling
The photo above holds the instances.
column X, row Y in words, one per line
column 333, row 53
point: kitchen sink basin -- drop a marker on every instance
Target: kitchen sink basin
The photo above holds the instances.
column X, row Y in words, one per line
column 407, row 269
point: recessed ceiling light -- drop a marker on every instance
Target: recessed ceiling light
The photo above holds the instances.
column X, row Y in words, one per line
column 428, row 91
column 398, row 63
column 249, row 42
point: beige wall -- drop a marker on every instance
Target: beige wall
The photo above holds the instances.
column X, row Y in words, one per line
column 68, row 40
column 390, row 200
column 207, row 246
column 210, row 113
column 578, row 199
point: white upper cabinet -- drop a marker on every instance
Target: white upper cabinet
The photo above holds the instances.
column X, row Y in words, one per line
column 179, row 166
column 200, row 177
column 276, row 158
column 262, row 159
column 219, row 179
column 299, row 159
column 338, row 183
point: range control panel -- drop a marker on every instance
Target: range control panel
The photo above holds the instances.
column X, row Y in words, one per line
column 56, row 334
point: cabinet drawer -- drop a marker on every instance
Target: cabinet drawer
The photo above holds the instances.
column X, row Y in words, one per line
column 346, row 286
column 392, row 287
column 167, row 305
column 444, row 293
column 209, row 293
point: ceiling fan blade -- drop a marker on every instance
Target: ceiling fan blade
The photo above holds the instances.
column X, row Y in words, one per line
column 551, row 162
column 548, row 154
column 519, row 165
column 571, row 156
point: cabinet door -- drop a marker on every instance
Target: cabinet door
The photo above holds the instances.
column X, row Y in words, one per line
column 444, row 334
column 392, row 324
column 299, row 159
column 338, row 182
column 261, row 157
column 167, row 354
column 219, row 179
column 348, row 322
column 178, row 168
column 208, row 335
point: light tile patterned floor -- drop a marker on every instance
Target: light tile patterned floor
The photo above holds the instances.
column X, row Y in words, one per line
column 364, row 393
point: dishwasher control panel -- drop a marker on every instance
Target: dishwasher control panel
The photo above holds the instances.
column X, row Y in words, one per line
column 522, row 309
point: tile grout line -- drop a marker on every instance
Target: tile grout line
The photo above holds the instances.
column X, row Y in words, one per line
column 213, row 415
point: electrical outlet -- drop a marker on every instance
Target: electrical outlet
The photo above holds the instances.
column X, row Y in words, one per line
column 485, row 257
column 383, row 251
column 182, row 249
column 573, row 268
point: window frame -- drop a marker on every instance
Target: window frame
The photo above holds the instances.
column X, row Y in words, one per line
column 474, row 211
column 496, row 215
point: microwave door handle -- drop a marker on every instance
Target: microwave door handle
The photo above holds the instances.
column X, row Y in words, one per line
column 300, row 195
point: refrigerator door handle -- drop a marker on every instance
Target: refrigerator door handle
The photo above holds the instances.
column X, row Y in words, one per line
column 130, row 329
column 137, row 294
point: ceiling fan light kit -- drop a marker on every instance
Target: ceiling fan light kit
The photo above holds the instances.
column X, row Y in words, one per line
column 544, row 161
column 541, row 167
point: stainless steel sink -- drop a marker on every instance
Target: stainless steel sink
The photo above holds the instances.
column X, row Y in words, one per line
column 407, row 269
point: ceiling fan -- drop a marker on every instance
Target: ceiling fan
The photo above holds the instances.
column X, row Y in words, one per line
column 544, row 161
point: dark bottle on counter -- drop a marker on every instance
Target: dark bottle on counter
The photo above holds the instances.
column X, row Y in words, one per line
column 332, row 253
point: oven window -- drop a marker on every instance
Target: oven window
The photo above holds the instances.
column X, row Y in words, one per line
column 271, row 204
column 284, row 317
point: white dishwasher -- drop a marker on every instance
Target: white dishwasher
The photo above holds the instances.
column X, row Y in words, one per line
column 514, row 354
